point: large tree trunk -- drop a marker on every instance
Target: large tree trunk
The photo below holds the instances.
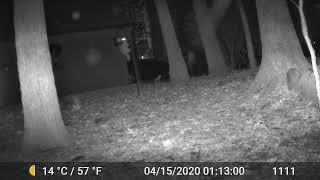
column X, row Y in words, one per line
column 281, row 49
column 43, row 125
column 210, row 43
column 177, row 67
column 247, row 34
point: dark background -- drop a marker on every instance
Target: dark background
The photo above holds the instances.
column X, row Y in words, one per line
column 96, row 28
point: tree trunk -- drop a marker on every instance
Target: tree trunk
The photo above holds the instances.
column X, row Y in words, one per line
column 43, row 125
column 210, row 43
column 281, row 49
column 177, row 66
column 218, row 9
column 247, row 34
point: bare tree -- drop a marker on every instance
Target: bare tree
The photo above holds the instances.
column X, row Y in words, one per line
column 310, row 47
column 207, row 32
column 281, row 49
column 43, row 125
column 247, row 33
column 218, row 10
column 177, row 67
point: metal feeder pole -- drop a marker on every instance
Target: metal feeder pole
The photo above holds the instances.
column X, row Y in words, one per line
column 134, row 60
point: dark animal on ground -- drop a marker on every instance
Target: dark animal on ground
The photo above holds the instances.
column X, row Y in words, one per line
column 149, row 70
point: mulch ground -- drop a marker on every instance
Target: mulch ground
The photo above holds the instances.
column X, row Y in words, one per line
column 205, row 119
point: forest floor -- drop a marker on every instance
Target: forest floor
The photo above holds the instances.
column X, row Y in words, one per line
column 206, row 119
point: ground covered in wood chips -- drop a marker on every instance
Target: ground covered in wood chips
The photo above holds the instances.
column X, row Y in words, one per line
column 205, row 119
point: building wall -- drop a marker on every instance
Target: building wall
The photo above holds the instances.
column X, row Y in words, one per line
column 9, row 81
column 75, row 76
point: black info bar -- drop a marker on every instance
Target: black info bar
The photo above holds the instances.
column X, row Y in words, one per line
column 159, row 170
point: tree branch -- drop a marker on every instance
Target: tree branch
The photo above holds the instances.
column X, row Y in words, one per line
column 311, row 50
column 294, row 3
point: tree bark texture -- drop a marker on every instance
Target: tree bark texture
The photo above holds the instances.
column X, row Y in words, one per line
column 210, row 43
column 43, row 125
column 177, row 66
column 281, row 49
